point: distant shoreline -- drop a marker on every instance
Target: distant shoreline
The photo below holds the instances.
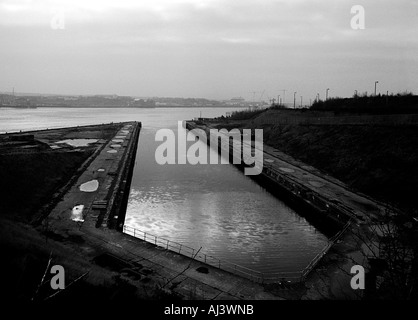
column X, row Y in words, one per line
column 115, row 107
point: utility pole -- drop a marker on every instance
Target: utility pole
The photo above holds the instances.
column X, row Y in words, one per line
column 375, row 84
column 284, row 95
column 301, row 101
column 326, row 96
column 294, row 100
column 278, row 99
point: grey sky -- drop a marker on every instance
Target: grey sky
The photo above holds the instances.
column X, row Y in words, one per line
column 208, row 48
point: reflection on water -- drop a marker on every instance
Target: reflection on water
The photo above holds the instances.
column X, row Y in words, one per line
column 211, row 206
column 219, row 209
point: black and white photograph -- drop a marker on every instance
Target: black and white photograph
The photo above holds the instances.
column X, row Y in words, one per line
column 208, row 158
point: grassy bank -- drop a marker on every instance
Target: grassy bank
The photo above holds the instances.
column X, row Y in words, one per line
column 380, row 104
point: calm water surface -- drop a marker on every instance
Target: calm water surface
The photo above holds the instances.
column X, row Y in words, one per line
column 214, row 207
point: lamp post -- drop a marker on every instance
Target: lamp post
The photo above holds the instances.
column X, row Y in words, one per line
column 326, row 95
column 294, row 100
column 375, row 84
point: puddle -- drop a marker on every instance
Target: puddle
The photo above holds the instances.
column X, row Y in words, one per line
column 115, row 145
column 287, row 170
column 90, row 186
column 316, row 183
column 117, row 140
column 112, row 151
column 55, row 147
column 78, row 142
column 101, row 170
column 77, row 213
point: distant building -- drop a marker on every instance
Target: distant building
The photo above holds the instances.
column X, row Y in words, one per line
column 71, row 98
column 144, row 103
column 238, row 100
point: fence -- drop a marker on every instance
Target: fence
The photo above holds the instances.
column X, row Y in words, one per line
column 324, row 251
column 242, row 271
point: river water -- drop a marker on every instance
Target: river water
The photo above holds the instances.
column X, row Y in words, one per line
column 212, row 206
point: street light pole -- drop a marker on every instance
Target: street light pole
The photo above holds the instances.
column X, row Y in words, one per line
column 375, row 83
column 294, row 100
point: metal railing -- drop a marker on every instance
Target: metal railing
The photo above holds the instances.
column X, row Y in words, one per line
column 325, row 250
column 231, row 267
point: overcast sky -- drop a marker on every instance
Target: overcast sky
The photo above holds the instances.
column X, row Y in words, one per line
column 207, row 48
